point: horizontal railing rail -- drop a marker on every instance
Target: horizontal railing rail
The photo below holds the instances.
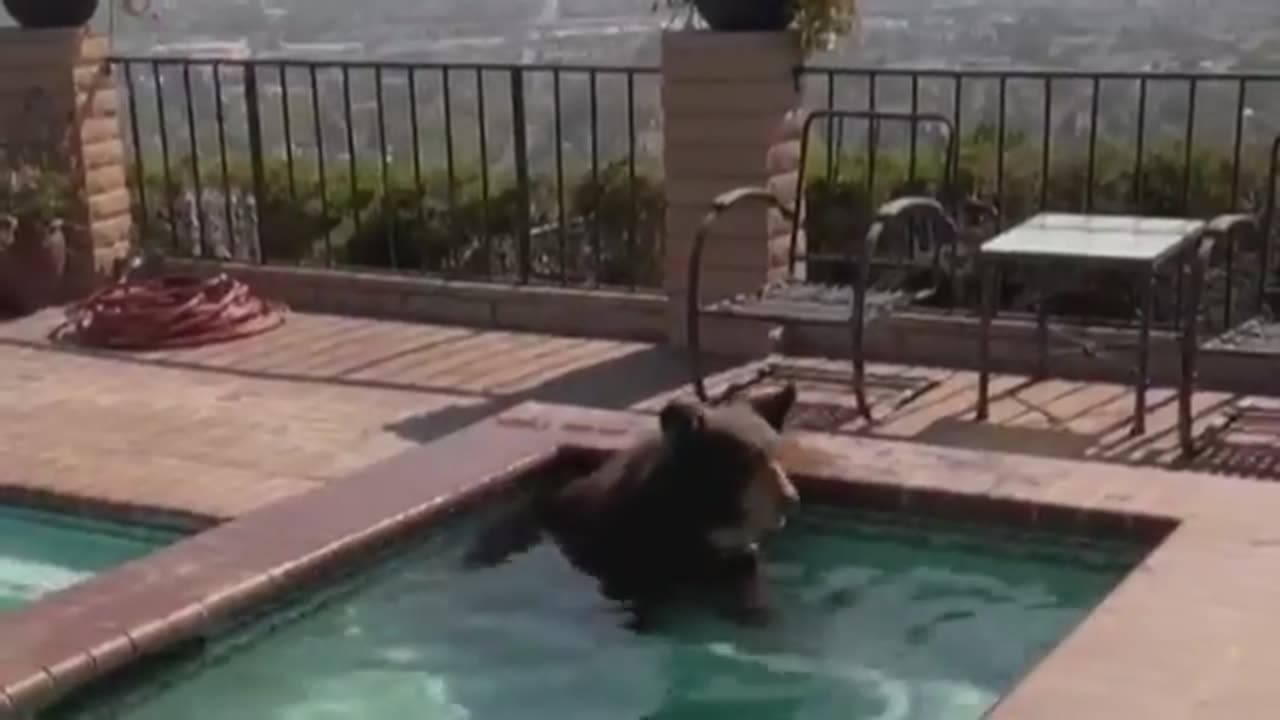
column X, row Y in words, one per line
column 1013, row 73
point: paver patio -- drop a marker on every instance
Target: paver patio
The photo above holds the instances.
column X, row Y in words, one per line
column 220, row 430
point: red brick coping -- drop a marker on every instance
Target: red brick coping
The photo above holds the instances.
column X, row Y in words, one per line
column 1192, row 632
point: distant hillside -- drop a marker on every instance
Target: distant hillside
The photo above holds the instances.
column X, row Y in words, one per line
column 1185, row 35
column 1101, row 33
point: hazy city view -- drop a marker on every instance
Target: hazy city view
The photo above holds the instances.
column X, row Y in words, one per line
column 1131, row 34
column 1157, row 35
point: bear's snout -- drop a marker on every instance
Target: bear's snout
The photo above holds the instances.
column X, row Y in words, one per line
column 766, row 500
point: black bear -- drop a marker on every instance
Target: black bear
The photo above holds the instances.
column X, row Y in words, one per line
column 680, row 513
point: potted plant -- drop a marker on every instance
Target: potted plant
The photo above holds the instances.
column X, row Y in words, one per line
column 33, row 244
column 819, row 22
column 41, row 14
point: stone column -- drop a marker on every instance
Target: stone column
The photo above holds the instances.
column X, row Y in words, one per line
column 727, row 103
column 58, row 101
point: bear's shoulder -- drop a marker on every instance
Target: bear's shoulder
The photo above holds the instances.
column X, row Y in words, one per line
column 617, row 493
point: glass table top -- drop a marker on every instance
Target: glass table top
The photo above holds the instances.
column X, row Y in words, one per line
column 1121, row 238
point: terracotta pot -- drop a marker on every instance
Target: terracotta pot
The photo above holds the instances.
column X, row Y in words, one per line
column 40, row 14
column 745, row 15
column 33, row 265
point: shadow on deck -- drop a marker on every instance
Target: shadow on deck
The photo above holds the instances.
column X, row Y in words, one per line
column 222, row 429
column 1056, row 418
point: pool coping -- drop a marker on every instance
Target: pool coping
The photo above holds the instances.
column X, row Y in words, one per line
column 1189, row 633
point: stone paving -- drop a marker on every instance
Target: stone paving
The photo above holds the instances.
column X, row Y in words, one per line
column 220, row 430
column 1065, row 419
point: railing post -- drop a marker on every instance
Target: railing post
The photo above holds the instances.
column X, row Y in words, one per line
column 728, row 121
column 520, row 145
column 1268, row 218
column 253, row 117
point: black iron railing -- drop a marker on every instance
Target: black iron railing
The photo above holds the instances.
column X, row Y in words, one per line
column 547, row 173
column 1150, row 143
column 530, row 173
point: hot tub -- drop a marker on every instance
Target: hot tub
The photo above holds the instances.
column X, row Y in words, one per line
column 42, row 551
column 895, row 598
column 878, row 615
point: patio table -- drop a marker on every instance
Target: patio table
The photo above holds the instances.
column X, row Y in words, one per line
column 1139, row 246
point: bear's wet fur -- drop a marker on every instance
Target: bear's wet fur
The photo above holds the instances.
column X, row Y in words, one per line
column 678, row 516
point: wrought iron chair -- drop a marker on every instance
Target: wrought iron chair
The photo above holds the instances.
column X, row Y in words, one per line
column 1256, row 335
column 1231, row 231
column 858, row 304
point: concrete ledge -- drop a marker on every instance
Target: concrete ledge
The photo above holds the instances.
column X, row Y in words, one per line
column 563, row 311
column 933, row 339
column 951, row 340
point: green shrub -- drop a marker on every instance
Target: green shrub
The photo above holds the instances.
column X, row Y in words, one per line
column 625, row 226
column 411, row 226
column 298, row 212
column 468, row 234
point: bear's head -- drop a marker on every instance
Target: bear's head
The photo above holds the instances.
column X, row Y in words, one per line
column 732, row 488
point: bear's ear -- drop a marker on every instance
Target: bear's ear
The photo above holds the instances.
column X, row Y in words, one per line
column 681, row 419
column 775, row 406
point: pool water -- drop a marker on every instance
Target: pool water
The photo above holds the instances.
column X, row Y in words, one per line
column 879, row 617
column 41, row 552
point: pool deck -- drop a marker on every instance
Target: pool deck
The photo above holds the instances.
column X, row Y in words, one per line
column 1189, row 633
column 367, row 415
column 217, row 431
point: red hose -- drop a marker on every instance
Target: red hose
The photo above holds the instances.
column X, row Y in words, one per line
column 169, row 312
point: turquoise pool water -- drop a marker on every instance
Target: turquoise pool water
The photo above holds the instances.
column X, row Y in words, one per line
column 41, row 552
column 881, row 617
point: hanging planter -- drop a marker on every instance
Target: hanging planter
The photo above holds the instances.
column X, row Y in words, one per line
column 818, row 22
column 44, row 14
column 745, row 15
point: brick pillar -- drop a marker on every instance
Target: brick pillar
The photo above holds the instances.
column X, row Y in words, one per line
column 58, row 101
column 727, row 100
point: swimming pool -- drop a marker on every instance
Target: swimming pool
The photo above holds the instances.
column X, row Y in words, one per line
column 881, row 616
column 41, row 551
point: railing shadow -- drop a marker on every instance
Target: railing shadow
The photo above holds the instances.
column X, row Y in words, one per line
column 1242, row 439
column 617, row 384
column 487, row 377
column 1079, row 421
column 1239, row 451
column 491, row 369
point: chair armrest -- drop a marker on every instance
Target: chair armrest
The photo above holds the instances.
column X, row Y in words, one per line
column 1232, row 222
column 972, row 208
column 729, row 198
column 1228, row 229
column 906, row 209
column 909, row 205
